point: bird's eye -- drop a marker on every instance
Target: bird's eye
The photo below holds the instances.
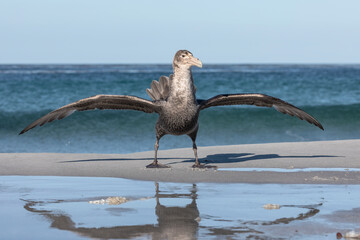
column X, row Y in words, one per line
column 183, row 55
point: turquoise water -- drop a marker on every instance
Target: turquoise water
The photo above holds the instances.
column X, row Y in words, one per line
column 331, row 93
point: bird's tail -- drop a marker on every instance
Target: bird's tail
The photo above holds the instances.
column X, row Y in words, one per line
column 159, row 89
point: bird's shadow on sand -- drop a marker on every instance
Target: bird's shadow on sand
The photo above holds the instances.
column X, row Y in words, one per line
column 243, row 157
column 214, row 158
column 116, row 159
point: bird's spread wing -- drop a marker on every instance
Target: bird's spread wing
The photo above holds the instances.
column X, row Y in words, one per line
column 260, row 100
column 96, row 102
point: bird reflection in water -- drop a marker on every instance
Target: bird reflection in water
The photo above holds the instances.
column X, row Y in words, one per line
column 177, row 222
column 173, row 222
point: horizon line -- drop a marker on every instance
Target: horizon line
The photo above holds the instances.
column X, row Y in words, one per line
column 248, row 63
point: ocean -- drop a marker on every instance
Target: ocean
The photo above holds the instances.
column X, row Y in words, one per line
column 330, row 93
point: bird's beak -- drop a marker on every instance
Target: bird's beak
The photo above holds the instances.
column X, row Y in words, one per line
column 195, row 62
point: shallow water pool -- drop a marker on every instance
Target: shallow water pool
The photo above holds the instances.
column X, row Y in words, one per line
column 114, row 208
column 290, row 169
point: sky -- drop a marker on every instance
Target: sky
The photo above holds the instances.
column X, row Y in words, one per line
column 143, row 31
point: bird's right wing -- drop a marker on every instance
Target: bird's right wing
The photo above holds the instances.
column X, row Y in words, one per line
column 116, row 102
column 260, row 100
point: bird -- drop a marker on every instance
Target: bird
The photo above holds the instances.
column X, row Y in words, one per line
column 173, row 98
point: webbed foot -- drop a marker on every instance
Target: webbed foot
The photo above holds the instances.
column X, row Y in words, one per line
column 157, row 165
column 203, row 166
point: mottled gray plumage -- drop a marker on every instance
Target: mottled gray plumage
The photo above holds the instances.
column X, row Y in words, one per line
column 173, row 99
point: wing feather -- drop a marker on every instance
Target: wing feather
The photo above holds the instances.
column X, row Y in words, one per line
column 260, row 100
column 155, row 89
column 159, row 90
column 116, row 102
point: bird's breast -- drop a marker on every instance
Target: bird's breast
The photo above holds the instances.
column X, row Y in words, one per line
column 179, row 119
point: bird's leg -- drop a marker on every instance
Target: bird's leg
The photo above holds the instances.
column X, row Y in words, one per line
column 197, row 163
column 155, row 163
column 156, row 150
column 193, row 138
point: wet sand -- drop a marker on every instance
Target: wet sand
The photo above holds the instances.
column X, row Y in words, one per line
column 297, row 155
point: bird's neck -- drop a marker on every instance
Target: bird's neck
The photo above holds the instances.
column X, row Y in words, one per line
column 183, row 73
column 182, row 86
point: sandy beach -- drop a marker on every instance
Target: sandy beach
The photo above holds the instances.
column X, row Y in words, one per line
column 295, row 155
column 312, row 186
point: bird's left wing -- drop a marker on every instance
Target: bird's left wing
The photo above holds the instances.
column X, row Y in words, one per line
column 260, row 100
column 116, row 102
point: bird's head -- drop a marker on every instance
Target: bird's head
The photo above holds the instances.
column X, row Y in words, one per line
column 185, row 59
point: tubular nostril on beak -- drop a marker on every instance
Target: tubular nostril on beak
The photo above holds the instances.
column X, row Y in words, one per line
column 196, row 62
